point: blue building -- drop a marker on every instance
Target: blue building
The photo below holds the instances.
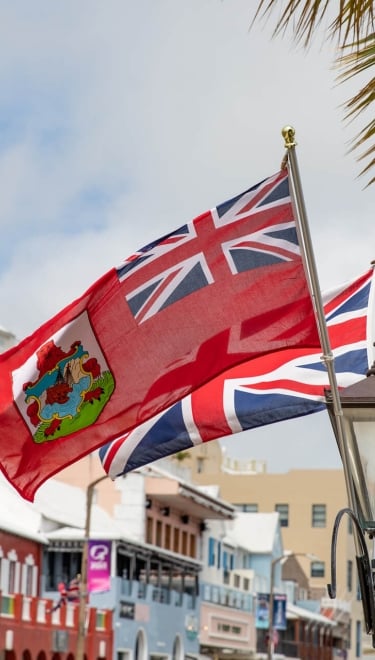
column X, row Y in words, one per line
column 154, row 591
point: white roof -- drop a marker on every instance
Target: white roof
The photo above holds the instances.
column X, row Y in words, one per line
column 66, row 505
column 78, row 534
column 212, row 490
column 255, row 532
column 56, row 505
column 295, row 612
column 18, row 516
column 5, row 331
column 7, row 339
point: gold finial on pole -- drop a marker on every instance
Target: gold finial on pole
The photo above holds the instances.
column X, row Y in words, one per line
column 288, row 134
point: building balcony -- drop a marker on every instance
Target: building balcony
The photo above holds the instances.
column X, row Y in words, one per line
column 29, row 624
column 233, row 598
column 140, row 591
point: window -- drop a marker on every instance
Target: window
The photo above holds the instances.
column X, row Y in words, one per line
column 29, row 580
column 358, row 590
column 211, row 551
column 358, row 640
column 66, row 564
column 124, row 567
column 155, row 573
column 12, row 577
column 319, row 515
column 167, row 537
column 283, row 511
column 317, row 569
column 249, row 508
column 218, row 554
column 349, row 576
column 176, row 539
column 200, row 465
column 193, row 546
column 149, row 529
column 184, row 550
column 159, row 531
column 303, row 594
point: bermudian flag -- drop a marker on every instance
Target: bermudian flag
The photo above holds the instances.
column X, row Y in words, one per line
column 271, row 388
column 219, row 291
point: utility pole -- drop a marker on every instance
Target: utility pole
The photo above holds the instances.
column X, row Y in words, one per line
column 271, row 641
column 271, row 631
column 80, row 651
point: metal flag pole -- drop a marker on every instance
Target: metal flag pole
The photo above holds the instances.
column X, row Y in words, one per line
column 364, row 565
column 290, row 161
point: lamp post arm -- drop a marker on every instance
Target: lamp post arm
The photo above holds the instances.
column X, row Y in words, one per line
column 364, row 568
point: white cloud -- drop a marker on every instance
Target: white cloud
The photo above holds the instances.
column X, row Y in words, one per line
column 163, row 108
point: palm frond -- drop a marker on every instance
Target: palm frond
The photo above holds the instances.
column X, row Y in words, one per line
column 360, row 57
column 353, row 19
column 306, row 17
column 353, row 27
column 363, row 136
column 357, row 62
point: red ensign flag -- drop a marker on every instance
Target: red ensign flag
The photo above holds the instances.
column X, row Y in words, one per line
column 219, row 291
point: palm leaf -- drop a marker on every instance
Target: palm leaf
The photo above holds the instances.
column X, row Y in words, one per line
column 353, row 26
column 354, row 18
column 359, row 61
column 306, row 17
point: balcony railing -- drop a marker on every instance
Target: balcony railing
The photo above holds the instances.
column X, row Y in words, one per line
column 40, row 611
column 233, row 598
column 7, row 606
column 148, row 592
column 161, row 595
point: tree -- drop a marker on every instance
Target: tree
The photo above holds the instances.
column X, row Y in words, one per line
column 181, row 456
column 353, row 27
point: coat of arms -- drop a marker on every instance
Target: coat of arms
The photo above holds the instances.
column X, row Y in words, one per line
column 71, row 388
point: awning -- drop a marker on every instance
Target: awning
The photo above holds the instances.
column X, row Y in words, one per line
column 295, row 612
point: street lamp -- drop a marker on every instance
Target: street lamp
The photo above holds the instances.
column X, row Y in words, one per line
column 357, row 452
column 274, row 562
column 80, row 651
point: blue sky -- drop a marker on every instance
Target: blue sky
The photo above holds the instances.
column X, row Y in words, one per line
column 120, row 121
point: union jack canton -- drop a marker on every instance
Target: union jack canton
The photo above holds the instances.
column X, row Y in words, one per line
column 274, row 241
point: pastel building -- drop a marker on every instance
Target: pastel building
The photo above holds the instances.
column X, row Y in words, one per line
column 156, row 539
column 307, row 502
column 180, row 521
column 29, row 628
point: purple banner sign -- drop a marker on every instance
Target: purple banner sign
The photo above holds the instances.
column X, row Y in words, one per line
column 99, row 566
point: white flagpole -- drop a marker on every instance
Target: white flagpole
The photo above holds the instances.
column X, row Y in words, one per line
column 308, row 255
